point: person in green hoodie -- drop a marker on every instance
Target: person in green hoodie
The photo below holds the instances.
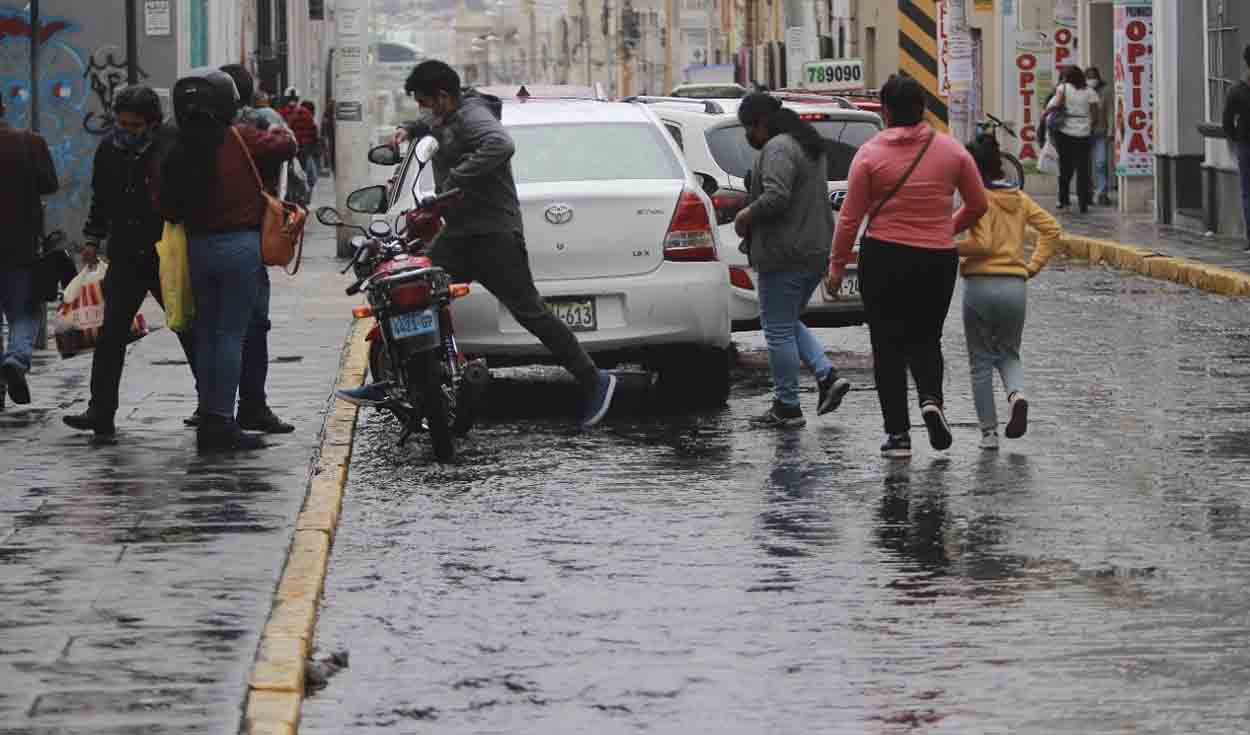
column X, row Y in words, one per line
column 996, row 270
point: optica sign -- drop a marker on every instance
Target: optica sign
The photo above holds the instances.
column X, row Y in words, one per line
column 1134, row 82
column 1029, row 60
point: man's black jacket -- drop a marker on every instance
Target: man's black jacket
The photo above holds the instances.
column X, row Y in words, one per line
column 122, row 207
column 1237, row 113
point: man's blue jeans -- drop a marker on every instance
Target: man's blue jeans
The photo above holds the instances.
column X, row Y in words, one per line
column 255, row 371
column 20, row 312
column 783, row 295
column 225, row 282
column 1243, row 164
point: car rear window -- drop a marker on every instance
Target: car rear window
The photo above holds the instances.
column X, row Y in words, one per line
column 592, row 152
column 734, row 154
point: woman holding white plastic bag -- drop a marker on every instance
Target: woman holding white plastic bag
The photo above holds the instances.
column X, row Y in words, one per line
column 1079, row 106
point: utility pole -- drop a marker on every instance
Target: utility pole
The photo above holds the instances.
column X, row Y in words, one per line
column 670, row 23
column 711, row 32
column 132, row 43
column 586, row 42
column 353, row 88
column 533, row 70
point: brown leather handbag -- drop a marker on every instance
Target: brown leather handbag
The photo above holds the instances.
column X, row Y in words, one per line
column 282, row 225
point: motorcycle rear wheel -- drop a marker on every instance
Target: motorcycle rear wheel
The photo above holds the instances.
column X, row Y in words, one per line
column 435, row 405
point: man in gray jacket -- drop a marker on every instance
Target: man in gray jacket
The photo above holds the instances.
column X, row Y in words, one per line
column 789, row 226
column 484, row 237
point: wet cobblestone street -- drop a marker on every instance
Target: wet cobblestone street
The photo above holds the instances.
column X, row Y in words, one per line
column 693, row 574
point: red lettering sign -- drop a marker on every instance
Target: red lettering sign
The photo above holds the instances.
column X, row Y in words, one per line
column 1136, row 51
column 1138, row 120
column 1136, row 31
column 1027, row 62
column 1137, row 144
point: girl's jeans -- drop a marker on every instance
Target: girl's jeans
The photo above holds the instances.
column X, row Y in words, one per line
column 994, row 310
column 783, row 295
column 225, row 283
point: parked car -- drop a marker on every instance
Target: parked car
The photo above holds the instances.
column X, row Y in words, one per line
column 714, row 143
column 622, row 242
column 710, row 90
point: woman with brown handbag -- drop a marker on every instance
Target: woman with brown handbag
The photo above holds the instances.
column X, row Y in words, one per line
column 904, row 181
column 209, row 185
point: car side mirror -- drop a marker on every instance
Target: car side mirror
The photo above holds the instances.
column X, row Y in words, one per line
column 385, row 155
column 708, row 182
column 746, row 180
column 369, row 200
column 426, row 148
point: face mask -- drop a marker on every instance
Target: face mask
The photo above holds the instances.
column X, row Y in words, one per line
column 129, row 141
column 1095, row 83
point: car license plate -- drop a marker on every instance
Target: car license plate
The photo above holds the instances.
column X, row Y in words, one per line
column 414, row 324
column 578, row 314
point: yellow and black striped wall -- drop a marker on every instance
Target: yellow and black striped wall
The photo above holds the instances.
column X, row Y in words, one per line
column 918, row 53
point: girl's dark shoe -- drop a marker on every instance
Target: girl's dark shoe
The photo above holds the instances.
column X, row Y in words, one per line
column 217, row 434
column 91, row 420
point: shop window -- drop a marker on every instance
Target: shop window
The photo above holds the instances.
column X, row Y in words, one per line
column 1224, row 51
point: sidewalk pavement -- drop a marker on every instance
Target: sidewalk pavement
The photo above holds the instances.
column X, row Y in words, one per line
column 1134, row 242
column 136, row 575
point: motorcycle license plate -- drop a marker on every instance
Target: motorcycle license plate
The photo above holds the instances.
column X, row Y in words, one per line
column 578, row 314
column 414, row 324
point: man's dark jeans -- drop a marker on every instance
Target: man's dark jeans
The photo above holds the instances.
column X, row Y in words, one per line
column 126, row 285
column 1243, row 165
column 501, row 264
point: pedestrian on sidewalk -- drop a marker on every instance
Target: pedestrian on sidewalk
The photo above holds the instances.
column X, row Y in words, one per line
column 313, row 163
column 302, row 123
column 1080, row 108
column 789, row 227
column 207, row 185
column 904, row 180
column 254, row 412
column 29, row 174
column 996, row 272
column 484, row 237
column 123, row 213
column 1100, row 143
column 1237, row 131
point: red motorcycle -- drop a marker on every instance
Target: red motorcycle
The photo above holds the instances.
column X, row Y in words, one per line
column 412, row 345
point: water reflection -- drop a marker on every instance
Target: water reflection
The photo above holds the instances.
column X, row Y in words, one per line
column 794, row 520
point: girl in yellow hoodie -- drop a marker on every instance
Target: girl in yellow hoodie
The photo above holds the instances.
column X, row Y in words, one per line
column 996, row 272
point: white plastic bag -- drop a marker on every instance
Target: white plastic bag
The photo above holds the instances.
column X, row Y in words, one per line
column 1048, row 162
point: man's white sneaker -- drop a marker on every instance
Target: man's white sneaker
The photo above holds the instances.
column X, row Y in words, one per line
column 989, row 441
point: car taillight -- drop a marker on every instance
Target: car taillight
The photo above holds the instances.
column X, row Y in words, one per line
column 740, row 278
column 727, row 203
column 690, row 235
column 411, row 295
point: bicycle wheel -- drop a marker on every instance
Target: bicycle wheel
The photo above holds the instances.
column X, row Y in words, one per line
column 1013, row 171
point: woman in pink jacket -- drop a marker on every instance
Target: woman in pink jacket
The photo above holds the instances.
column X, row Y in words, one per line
column 903, row 181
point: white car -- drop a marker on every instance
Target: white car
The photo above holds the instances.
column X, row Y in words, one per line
column 622, row 243
column 714, row 143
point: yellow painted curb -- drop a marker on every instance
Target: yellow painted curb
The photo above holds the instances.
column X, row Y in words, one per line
column 276, row 683
column 1210, row 278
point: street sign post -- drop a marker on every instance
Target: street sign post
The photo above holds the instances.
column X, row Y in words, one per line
column 834, row 75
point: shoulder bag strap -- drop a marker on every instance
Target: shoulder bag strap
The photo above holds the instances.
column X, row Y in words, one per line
column 260, row 183
column 902, row 180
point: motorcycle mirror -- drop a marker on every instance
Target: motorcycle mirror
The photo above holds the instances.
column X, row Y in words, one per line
column 369, row 200
column 329, row 216
column 385, row 155
column 426, row 148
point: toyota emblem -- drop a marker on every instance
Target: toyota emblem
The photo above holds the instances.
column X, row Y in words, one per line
column 559, row 214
